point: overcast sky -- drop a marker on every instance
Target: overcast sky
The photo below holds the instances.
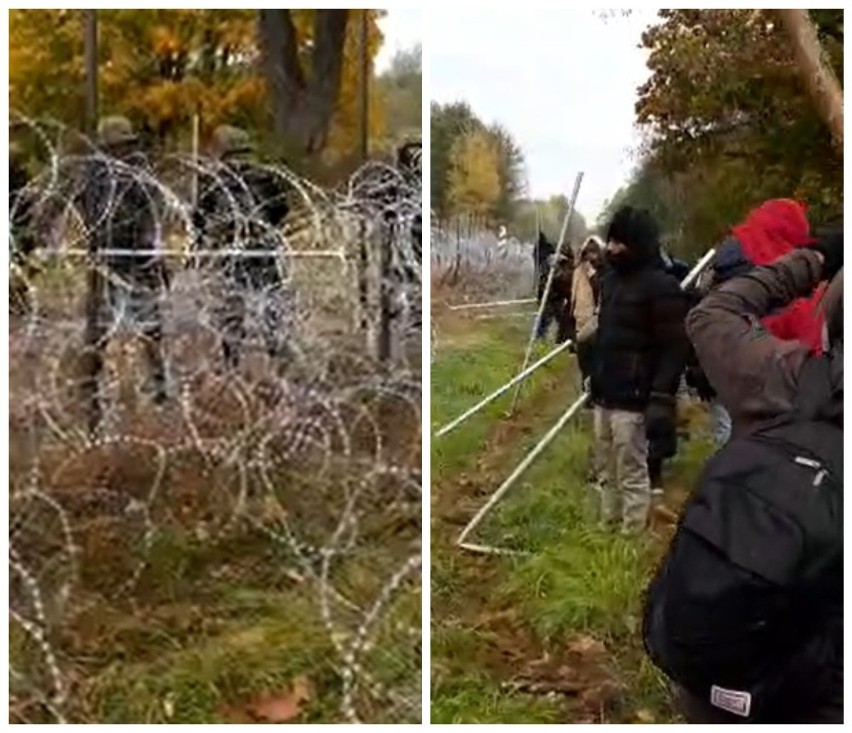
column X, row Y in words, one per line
column 402, row 28
column 563, row 81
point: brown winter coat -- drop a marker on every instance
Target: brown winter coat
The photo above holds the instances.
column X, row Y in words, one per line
column 583, row 294
column 755, row 374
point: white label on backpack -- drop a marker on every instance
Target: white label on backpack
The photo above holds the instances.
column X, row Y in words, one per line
column 733, row 701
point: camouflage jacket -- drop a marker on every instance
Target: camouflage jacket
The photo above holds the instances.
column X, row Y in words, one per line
column 122, row 212
column 755, row 374
column 242, row 209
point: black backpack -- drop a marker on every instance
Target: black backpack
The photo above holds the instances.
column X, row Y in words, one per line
column 745, row 611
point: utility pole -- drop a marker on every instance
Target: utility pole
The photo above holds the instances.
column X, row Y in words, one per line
column 365, row 85
column 90, row 52
column 363, row 256
column 94, row 355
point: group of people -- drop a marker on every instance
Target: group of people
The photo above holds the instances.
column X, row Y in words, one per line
column 233, row 231
column 240, row 207
column 745, row 612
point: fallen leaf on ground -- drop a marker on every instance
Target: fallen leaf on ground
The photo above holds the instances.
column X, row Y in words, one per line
column 283, row 706
column 587, row 646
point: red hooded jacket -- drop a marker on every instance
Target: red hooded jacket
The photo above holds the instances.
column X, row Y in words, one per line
column 770, row 231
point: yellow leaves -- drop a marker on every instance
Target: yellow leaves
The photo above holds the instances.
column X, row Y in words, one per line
column 166, row 42
column 474, row 178
column 152, row 66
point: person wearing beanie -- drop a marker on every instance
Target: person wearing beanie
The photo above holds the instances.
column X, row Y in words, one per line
column 639, row 355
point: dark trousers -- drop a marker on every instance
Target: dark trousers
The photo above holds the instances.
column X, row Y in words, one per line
column 556, row 311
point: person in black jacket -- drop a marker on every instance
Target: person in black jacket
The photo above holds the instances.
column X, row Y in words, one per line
column 639, row 355
column 543, row 252
column 241, row 210
column 558, row 305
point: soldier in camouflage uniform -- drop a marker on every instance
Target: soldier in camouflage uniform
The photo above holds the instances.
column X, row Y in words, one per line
column 408, row 162
column 242, row 209
column 120, row 213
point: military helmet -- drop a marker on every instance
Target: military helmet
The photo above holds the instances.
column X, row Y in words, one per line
column 229, row 140
column 115, row 130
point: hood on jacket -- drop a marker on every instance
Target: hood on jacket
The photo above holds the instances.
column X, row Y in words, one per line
column 773, row 229
column 638, row 232
column 593, row 242
column 770, row 231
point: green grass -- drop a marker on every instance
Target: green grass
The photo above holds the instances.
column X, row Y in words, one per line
column 461, row 377
column 212, row 628
column 239, row 663
column 578, row 579
column 475, row 699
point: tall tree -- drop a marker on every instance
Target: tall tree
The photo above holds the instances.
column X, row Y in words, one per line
column 474, row 179
column 448, row 123
column 730, row 123
column 512, row 174
column 160, row 66
column 815, row 70
column 453, row 121
column 401, row 91
column 303, row 102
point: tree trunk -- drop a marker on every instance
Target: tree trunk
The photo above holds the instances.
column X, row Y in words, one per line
column 815, row 70
column 303, row 104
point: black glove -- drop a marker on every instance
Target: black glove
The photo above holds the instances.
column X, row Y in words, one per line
column 830, row 246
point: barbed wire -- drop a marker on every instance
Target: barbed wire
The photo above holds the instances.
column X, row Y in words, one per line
column 482, row 265
column 306, row 450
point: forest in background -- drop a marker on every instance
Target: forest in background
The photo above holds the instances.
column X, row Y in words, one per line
column 726, row 121
column 290, row 77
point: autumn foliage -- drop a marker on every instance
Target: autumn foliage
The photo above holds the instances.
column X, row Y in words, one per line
column 161, row 66
column 729, row 123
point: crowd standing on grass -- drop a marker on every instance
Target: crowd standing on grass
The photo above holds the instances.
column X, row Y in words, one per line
column 744, row 614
